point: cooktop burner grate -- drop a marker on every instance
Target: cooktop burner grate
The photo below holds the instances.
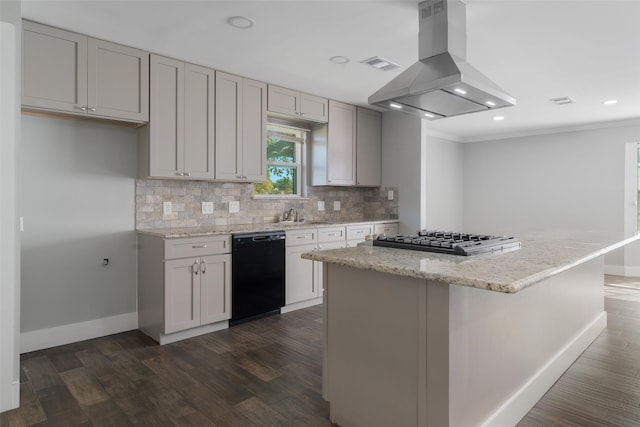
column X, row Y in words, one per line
column 449, row 242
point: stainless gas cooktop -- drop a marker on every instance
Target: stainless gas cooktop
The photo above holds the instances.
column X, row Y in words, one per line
column 450, row 242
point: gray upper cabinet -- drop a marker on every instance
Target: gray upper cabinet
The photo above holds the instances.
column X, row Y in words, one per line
column 368, row 147
column 179, row 140
column 241, row 126
column 333, row 147
column 69, row 73
column 296, row 104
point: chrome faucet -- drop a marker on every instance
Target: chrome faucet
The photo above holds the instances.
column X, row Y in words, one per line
column 291, row 215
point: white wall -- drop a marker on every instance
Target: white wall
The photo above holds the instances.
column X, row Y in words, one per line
column 9, row 235
column 562, row 181
column 444, row 189
column 78, row 203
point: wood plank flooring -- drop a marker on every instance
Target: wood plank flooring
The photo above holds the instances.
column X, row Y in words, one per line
column 268, row 373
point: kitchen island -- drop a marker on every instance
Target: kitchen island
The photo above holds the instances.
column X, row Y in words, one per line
column 421, row 339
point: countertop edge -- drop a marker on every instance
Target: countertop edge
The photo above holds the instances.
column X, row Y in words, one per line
column 184, row 232
column 512, row 287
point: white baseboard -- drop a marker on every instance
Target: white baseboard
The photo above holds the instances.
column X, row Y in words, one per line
column 622, row 270
column 302, row 304
column 526, row 397
column 66, row 334
column 193, row 332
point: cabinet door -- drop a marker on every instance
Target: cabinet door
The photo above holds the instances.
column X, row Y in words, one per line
column 368, row 147
column 341, row 139
column 199, row 119
column 284, row 101
column 301, row 278
column 228, row 151
column 166, row 128
column 388, row 229
column 54, row 68
column 318, row 265
column 215, row 288
column 314, row 108
column 181, row 294
column 118, row 81
column 254, row 131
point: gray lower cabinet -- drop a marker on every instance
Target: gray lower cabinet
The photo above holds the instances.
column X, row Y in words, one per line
column 241, row 129
column 184, row 285
column 303, row 279
column 357, row 233
column 388, row 229
column 179, row 141
column 69, row 73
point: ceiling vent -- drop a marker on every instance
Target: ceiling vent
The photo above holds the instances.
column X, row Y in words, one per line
column 380, row 63
column 565, row 100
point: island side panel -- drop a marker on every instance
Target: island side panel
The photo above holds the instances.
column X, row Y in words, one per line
column 508, row 349
column 378, row 331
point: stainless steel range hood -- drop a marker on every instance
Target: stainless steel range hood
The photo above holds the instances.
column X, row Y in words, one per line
column 441, row 84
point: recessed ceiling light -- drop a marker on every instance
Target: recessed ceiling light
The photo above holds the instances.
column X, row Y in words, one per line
column 339, row 59
column 396, row 106
column 610, row 102
column 490, row 103
column 431, row 116
column 460, row 91
column 498, row 118
column 241, row 22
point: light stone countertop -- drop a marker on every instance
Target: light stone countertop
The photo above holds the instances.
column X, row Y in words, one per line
column 176, row 233
column 542, row 255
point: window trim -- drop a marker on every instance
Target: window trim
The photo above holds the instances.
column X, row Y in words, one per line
column 299, row 164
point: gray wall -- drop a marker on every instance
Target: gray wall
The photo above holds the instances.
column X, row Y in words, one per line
column 403, row 166
column 78, row 195
column 561, row 181
column 9, row 200
column 427, row 171
column 444, row 185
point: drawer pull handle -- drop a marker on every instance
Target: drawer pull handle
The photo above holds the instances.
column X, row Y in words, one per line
column 199, row 246
column 301, row 237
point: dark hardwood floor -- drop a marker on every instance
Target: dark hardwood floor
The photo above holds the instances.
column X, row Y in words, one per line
column 268, row 373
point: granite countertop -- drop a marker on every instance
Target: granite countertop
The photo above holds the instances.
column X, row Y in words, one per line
column 542, row 255
column 175, row 233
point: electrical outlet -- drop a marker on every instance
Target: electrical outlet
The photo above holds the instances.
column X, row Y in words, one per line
column 320, row 206
column 207, row 207
column 336, row 205
column 390, row 195
column 234, row 206
column 166, row 208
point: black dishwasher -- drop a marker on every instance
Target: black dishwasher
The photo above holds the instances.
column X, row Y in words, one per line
column 257, row 275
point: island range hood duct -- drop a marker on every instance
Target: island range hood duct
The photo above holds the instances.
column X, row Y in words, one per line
column 441, row 84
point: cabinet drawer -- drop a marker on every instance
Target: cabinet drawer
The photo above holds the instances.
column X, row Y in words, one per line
column 388, row 229
column 196, row 246
column 358, row 232
column 334, row 234
column 302, row 237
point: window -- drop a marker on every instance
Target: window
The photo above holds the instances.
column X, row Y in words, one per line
column 284, row 162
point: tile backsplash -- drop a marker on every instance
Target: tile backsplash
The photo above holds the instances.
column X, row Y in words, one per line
column 186, row 199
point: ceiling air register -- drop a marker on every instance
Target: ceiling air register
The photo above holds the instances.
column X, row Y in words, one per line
column 441, row 84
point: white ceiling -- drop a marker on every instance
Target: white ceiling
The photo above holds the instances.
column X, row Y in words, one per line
column 533, row 49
